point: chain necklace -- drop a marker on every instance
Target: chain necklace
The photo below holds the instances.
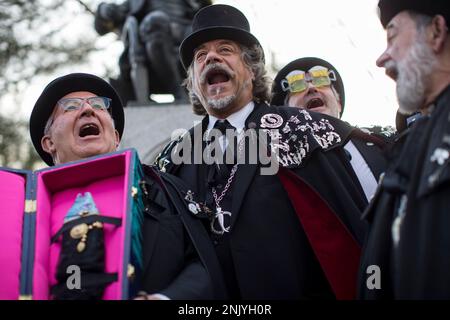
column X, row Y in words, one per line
column 220, row 214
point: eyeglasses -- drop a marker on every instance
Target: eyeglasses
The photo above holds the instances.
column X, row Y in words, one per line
column 72, row 104
column 297, row 80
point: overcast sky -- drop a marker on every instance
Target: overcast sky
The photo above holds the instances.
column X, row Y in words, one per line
column 347, row 33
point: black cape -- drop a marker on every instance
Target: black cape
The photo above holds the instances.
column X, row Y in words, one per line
column 179, row 259
column 271, row 252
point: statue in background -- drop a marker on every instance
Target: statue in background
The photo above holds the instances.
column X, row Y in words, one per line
column 151, row 31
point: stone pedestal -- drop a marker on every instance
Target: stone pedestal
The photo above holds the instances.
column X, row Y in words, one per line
column 149, row 128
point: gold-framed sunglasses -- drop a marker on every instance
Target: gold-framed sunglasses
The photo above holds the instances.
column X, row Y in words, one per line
column 297, row 80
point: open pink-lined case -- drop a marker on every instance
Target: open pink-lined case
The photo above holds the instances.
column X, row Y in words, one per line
column 32, row 209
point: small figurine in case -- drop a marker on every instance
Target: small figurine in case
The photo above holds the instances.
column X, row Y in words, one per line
column 83, row 247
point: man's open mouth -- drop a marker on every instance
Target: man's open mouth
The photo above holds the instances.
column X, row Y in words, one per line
column 89, row 129
column 315, row 103
column 217, row 76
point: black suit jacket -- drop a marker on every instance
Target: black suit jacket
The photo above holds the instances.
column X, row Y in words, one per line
column 179, row 260
column 412, row 202
column 269, row 249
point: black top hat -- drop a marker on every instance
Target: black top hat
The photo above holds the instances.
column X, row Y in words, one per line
column 304, row 64
column 216, row 22
column 62, row 86
column 390, row 8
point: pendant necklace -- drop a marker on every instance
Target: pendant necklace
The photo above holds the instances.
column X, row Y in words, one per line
column 220, row 214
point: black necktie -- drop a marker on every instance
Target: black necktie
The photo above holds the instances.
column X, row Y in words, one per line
column 230, row 140
column 223, row 126
column 219, row 173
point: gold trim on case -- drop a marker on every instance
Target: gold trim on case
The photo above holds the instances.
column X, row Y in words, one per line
column 131, row 271
column 30, row 206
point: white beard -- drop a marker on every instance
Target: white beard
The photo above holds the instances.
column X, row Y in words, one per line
column 221, row 103
column 414, row 73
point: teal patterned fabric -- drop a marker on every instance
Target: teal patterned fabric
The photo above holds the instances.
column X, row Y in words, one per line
column 137, row 216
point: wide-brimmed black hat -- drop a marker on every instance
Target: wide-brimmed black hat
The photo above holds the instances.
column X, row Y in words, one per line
column 304, row 64
column 390, row 8
column 62, row 86
column 213, row 22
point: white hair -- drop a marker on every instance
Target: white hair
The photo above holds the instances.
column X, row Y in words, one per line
column 415, row 69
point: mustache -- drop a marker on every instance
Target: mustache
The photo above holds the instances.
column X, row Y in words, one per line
column 391, row 68
column 215, row 67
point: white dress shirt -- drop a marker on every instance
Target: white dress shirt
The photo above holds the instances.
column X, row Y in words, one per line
column 236, row 119
column 362, row 170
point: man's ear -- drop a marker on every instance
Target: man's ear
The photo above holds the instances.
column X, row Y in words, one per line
column 340, row 108
column 117, row 139
column 438, row 33
column 48, row 145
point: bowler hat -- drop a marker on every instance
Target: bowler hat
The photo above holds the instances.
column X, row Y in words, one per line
column 213, row 22
column 304, row 64
column 62, row 86
column 390, row 8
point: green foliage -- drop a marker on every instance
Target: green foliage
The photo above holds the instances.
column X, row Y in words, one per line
column 36, row 37
column 14, row 149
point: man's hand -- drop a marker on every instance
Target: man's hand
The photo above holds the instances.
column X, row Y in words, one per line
column 142, row 295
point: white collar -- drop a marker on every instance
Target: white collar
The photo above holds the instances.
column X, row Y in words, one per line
column 236, row 119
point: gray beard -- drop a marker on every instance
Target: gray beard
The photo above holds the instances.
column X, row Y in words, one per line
column 413, row 76
column 221, row 103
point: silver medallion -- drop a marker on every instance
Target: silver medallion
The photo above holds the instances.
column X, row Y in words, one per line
column 271, row 121
column 440, row 156
column 193, row 208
